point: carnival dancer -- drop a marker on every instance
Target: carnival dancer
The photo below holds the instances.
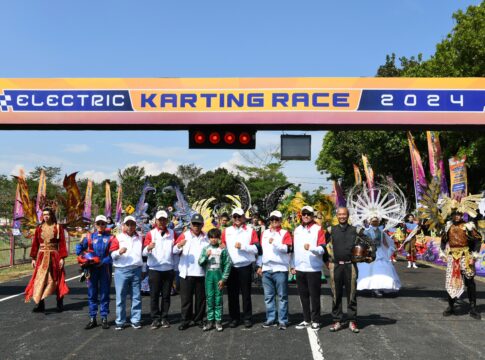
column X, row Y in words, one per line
column 309, row 247
column 126, row 251
column 48, row 253
column 379, row 275
column 276, row 245
column 217, row 263
column 243, row 245
column 343, row 272
column 158, row 245
column 464, row 243
column 189, row 246
column 410, row 245
column 98, row 276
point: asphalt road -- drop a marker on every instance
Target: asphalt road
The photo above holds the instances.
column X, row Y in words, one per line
column 409, row 326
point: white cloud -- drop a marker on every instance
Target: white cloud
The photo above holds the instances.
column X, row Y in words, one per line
column 157, row 151
column 230, row 165
column 76, row 148
column 97, row 176
column 155, row 168
column 16, row 170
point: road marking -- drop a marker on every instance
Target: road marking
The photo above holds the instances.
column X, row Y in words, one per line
column 13, row 296
column 317, row 350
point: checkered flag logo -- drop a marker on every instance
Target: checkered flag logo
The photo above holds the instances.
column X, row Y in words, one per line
column 5, row 102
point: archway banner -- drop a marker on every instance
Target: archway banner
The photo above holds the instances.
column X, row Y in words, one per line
column 257, row 101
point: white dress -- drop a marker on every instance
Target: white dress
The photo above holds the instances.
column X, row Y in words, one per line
column 379, row 274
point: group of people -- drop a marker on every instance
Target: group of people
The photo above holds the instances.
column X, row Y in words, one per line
column 225, row 257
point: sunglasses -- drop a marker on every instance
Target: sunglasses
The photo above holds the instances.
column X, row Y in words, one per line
column 306, row 214
column 274, row 219
column 236, row 216
column 101, row 223
column 197, row 224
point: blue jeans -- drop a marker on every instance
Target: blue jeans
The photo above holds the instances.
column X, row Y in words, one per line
column 276, row 283
column 127, row 282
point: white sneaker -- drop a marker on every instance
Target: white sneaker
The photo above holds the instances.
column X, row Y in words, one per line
column 302, row 325
column 315, row 326
column 409, row 264
column 394, row 260
column 415, row 266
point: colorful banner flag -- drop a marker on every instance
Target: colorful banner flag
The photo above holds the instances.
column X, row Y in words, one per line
column 458, row 177
column 18, row 211
column 87, row 201
column 107, row 206
column 340, row 200
column 357, row 175
column 419, row 177
column 41, row 194
column 119, row 207
column 436, row 164
column 369, row 173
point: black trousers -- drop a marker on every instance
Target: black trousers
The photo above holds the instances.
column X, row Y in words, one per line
column 344, row 275
column 240, row 281
column 190, row 286
column 160, row 282
column 308, row 284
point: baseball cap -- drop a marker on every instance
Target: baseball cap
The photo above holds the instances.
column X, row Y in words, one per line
column 129, row 218
column 276, row 213
column 161, row 214
column 197, row 218
column 101, row 218
column 307, row 208
column 238, row 211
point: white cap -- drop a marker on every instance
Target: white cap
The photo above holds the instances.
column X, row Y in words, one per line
column 101, row 218
column 128, row 218
column 238, row 211
column 307, row 208
column 276, row 213
column 161, row 214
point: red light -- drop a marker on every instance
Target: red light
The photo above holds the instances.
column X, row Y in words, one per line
column 244, row 138
column 199, row 137
column 229, row 138
column 215, row 138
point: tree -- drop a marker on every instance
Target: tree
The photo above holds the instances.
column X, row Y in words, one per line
column 217, row 183
column 132, row 179
column 187, row 173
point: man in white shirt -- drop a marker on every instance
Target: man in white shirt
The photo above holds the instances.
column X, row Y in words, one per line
column 189, row 246
column 158, row 248
column 242, row 244
column 276, row 244
column 309, row 247
column 126, row 251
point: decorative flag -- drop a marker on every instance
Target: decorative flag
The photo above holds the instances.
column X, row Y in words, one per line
column 107, row 207
column 436, row 164
column 358, row 177
column 458, row 177
column 419, row 177
column 18, row 212
column 87, row 201
column 339, row 195
column 369, row 173
column 41, row 193
column 119, row 207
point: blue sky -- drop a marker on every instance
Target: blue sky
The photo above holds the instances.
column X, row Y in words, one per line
column 197, row 39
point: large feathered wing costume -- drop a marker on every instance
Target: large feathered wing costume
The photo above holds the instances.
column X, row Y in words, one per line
column 272, row 200
column 29, row 218
column 73, row 203
column 183, row 211
column 202, row 207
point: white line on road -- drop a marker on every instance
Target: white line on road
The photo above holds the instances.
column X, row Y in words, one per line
column 13, row 296
column 317, row 350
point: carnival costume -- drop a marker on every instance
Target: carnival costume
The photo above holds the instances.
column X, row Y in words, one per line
column 217, row 267
column 48, row 248
column 98, row 274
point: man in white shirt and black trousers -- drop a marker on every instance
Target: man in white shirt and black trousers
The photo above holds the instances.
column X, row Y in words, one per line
column 243, row 245
column 189, row 246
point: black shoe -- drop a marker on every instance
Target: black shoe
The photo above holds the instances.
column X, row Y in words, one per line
column 234, row 324
column 266, row 324
column 248, row 324
column 475, row 313
column 155, row 324
column 200, row 324
column 40, row 307
column 184, row 326
column 60, row 305
column 165, row 323
column 92, row 324
column 104, row 323
column 449, row 311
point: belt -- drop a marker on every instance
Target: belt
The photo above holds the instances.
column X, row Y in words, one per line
column 43, row 247
column 343, row 262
